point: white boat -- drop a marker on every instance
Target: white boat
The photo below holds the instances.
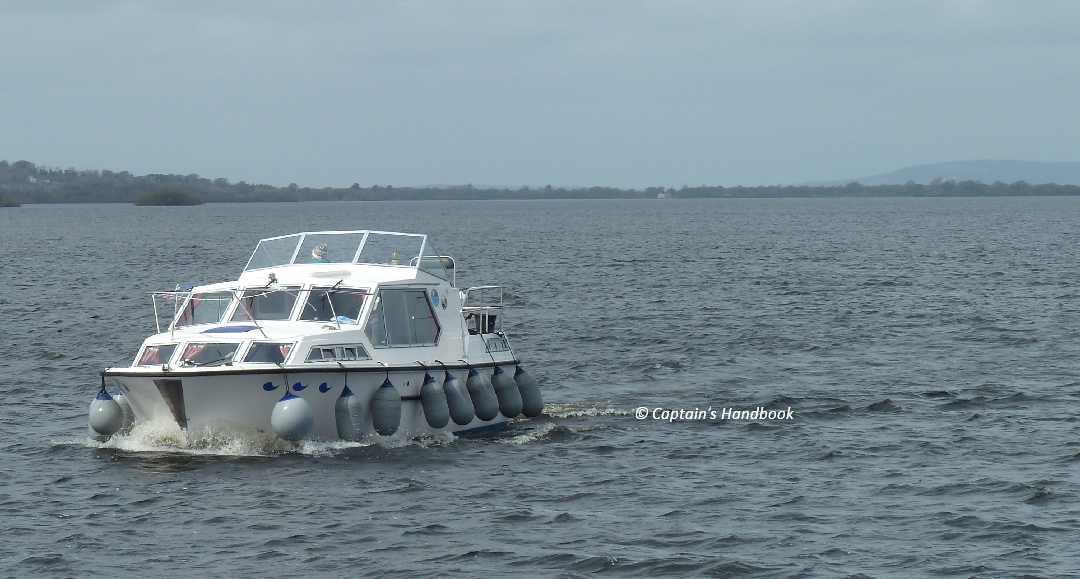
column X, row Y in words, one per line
column 330, row 335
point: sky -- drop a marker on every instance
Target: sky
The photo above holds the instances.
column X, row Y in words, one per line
column 568, row 93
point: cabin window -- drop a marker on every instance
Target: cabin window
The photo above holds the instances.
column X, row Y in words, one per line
column 205, row 308
column 326, row 304
column 402, row 317
column 337, row 353
column 199, row 354
column 268, row 353
column 266, row 304
column 156, row 355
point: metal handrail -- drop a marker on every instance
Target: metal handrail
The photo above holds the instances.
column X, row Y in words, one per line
column 481, row 289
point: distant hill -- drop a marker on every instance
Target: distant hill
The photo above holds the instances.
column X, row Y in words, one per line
column 984, row 171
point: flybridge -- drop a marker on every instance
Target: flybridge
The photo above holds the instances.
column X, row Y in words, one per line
column 367, row 247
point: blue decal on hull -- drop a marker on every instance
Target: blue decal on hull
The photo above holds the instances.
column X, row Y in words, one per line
column 324, row 388
column 298, row 386
column 269, row 387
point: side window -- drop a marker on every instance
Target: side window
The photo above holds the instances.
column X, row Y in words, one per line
column 396, row 317
column 268, row 353
column 344, row 352
column 425, row 330
column 157, row 355
column 376, row 326
column 200, row 354
column 403, row 317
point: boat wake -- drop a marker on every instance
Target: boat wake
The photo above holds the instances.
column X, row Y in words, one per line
column 548, row 432
column 166, row 437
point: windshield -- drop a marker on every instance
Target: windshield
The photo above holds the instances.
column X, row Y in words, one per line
column 273, row 252
column 391, row 249
column 326, row 304
column 369, row 247
column 205, row 308
column 329, row 248
column 266, row 304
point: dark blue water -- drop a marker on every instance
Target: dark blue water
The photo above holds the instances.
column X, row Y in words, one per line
column 928, row 347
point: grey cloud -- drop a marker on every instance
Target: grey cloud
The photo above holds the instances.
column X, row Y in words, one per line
column 604, row 92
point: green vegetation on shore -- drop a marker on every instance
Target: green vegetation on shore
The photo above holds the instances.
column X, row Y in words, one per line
column 24, row 182
column 5, row 202
column 168, row 196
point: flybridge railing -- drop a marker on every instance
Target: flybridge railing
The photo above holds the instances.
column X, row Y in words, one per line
column 483, row 296
column 482, row 307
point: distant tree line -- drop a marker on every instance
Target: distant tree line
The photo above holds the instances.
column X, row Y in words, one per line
column 25, row 182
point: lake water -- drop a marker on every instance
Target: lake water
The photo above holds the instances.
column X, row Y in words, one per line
column 929, row 348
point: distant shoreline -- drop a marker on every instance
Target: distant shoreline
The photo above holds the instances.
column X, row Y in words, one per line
column 586, row 198
column 24, row 183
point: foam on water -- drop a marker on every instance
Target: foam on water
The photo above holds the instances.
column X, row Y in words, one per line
column 165, row 436
column 582, row 409
column 547, row 431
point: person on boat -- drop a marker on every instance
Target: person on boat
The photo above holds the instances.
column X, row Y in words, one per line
column 320, row 254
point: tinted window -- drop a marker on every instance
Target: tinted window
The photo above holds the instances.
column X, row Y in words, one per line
column 268, row 353
column 207, row 354
column 265, row 304
column 403, row 318
column 157, row 355
column 376, row 328
column 396, row 318
column 425, row 330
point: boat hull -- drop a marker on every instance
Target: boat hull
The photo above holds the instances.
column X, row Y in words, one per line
column 242, row 402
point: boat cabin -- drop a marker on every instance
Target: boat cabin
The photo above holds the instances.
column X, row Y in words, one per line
column 330, row 297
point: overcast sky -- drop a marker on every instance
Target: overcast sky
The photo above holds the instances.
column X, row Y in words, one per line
column 582, row 92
